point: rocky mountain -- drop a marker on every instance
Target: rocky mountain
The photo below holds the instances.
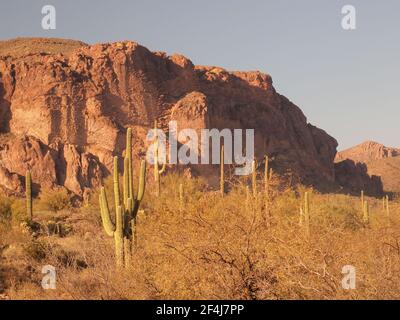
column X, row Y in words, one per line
column 367, row 151
column 376, row 160
column 65, row 107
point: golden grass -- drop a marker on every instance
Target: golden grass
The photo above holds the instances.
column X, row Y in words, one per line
column 214, row 248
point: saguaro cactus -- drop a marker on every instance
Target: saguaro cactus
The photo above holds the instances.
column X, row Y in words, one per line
column 362, row 200
column 221, row 169
column 248, row 198
column 28, row 193
column 307, row 213
column 181, row 198
column 301, row 216
column 157, row 171
column 266, row 185
column 254, row 177
column 366, row 212
column 124, row 230
column 387, row 205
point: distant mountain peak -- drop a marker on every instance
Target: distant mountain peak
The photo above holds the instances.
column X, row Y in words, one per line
column 367, row 151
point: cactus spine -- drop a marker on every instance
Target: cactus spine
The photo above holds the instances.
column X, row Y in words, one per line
column 221, row 168
column 157, row 172
column 28, row 193
column 124, row 230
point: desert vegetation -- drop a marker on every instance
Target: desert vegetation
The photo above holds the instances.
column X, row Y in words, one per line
column 261, row 239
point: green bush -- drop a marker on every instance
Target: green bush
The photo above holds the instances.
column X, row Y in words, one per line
column 54, row 200
column 18, row 209
column 5, row 210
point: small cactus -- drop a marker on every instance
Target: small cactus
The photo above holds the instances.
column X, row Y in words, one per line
column 362, row 201
column 28, row 193
column 248, row 198
column 387, row 205
column 266, row 185
column 181, row 197
column 124, row 230
column 254, row 177
column 301, row 216
column 157, row 172
column 221, row 169
column 306, row 213
column 366, row 212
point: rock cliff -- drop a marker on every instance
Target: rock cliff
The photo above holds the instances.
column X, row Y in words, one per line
column 65, row 107
column 376, row 160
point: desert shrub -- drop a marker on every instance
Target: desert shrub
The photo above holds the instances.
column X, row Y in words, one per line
column 19, row 213
column 225, row 248
column 36, row 250
column 5, row 210
column 54, row 200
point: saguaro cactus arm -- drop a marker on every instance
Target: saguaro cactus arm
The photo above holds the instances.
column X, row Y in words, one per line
column 129, row 157
column 126, row 187
column 116, row 184
column 105, row 213
column 142, row 181
column 157, row 172
column 28, row 191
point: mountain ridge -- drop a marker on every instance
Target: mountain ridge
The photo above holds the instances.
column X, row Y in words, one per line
column 378, row 159
column 65, row 108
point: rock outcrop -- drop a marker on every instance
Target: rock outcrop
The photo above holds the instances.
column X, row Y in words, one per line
column 376, row 160
column 367, row 151
column 354, row 177
column 64, row 112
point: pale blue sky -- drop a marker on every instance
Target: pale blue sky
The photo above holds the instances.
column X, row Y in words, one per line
column 346, row 82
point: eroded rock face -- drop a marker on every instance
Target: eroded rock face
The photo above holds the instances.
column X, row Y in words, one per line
column 354, row 177
column 65, row 115
column 367, row 151
column 380, row 161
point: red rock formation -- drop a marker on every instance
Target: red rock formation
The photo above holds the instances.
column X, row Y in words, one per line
column 65, row 114
column 367, row 151
column 379, row 161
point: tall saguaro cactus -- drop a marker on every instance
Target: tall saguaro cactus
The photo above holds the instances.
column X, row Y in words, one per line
column 157, row 171
column 266, row 185
column 28, row 193
column 124, row 230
